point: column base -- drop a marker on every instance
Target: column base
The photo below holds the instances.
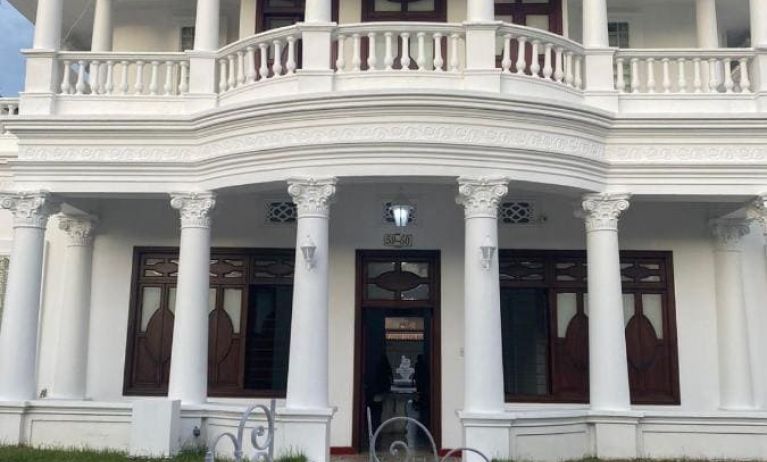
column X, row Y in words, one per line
column 155, row 428
column 615, row 437
column 304, row 431
column 488, row 433
column 12, row 423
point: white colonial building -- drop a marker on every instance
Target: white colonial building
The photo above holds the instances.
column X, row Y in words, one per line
column 536, row 226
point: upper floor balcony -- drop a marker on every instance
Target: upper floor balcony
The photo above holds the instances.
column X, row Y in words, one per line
column 181, row 58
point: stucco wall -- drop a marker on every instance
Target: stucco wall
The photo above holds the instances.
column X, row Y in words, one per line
column 356, row 223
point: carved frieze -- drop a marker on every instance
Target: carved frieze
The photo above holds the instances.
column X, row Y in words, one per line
column 602, row 211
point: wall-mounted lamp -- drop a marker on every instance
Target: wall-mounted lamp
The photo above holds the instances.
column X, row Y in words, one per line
column 401, row 210
column 308, row 249
column 487, row 251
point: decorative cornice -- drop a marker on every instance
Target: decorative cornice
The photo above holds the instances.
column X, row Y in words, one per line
column 194, row 208
column 30, row 209
column 480, row 196
column 601, row 211
column 729, row 232
column 79, row 228
column 312, row 196
column 356, row 133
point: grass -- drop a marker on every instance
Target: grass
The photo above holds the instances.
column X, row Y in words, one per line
column 23, row 454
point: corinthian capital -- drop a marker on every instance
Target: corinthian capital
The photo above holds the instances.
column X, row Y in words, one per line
column 79, row 228
column 729, row 232
column 194, row 208
column 601, row 211
column 30, row 209
column 480, row 196
column 758, row 211
column 312, row 196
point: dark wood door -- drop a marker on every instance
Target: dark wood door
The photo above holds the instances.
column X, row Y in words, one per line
column 397, row 340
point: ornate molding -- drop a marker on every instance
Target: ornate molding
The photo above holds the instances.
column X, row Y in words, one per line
column 79, row 228
column 480, row 197
column 357, row 133
column 602, row 211
column 194, row 208
column 30, row 209
column 686, row 153
column 729, row 232
column 312, row 196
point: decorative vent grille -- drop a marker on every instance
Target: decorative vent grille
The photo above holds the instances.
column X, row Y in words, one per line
column 518, row 213
column 389, row 217
column 280, row 212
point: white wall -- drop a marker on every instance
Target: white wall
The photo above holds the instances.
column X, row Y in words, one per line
column 357, row 223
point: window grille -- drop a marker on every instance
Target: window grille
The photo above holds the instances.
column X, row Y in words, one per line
column 518, row 213
column 281, row 212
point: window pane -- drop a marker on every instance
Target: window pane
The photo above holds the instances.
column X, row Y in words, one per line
column 387, row 5
column 377, row 293
column 211, row 300
column 567, row 308
column 421, row 5
column 233, row 307
column 419, row 268
column 376, row 269
column 652, row 307
column 524, row 323
column 172, row 300
column 150, row 304
column 539, row 21
column 268, row 338
column 419, row 293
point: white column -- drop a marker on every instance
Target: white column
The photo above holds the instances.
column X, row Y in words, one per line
column 318, row 11
column 483, row 350
column 608, row 366
column 247, row 18
column 206, row 30
column 595, row 24
column 759, row 23
column 74, row 309
column 708, row 32
column 480, row 10
column 102, row 26
column 48, row 25
column 735, row 381
column 189, row 355
column 18, row 334
column 308, row 368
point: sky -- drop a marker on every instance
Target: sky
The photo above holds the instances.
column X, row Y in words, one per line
column 15, row 34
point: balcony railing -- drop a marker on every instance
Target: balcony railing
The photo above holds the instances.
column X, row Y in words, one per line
column 684, row 71
column 9, row 107
column 523, row 62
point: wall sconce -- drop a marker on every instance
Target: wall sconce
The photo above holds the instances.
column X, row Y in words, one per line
column 308, row 249
column 401, row 209
column 487, row 251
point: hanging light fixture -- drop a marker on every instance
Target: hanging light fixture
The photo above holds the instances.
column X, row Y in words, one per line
column 401, row 210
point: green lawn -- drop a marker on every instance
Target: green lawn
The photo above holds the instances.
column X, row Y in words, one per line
column 16, row 454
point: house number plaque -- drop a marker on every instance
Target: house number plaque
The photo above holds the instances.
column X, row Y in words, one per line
column 398, row 240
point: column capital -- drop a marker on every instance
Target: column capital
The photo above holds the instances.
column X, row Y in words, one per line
column 312, row 196
column 79, row 228
column 758, row 210
column 30, row 209
column 194, row 208
column 601, row 211
column 480, row 196
column 729, row 232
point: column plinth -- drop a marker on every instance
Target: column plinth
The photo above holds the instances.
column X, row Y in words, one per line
column 308, row 369
column 74, row 318
column 608, row 366
column 735, row 377
column 483, row 350
column 18, row 333
column 189, row 355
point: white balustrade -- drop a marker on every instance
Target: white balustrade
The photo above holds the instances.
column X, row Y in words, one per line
column 530, row 52
column 683, row 71
column 265, row 56
column 123, row 74
column 9, row 107
column 404, row 46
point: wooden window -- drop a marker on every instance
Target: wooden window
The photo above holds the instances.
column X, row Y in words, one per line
column 249, row 306
column 544, row 315
column 542, row 14
column 271, row 14
column 404, row 10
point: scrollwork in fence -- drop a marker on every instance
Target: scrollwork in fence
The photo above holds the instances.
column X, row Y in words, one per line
column 261, row 437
